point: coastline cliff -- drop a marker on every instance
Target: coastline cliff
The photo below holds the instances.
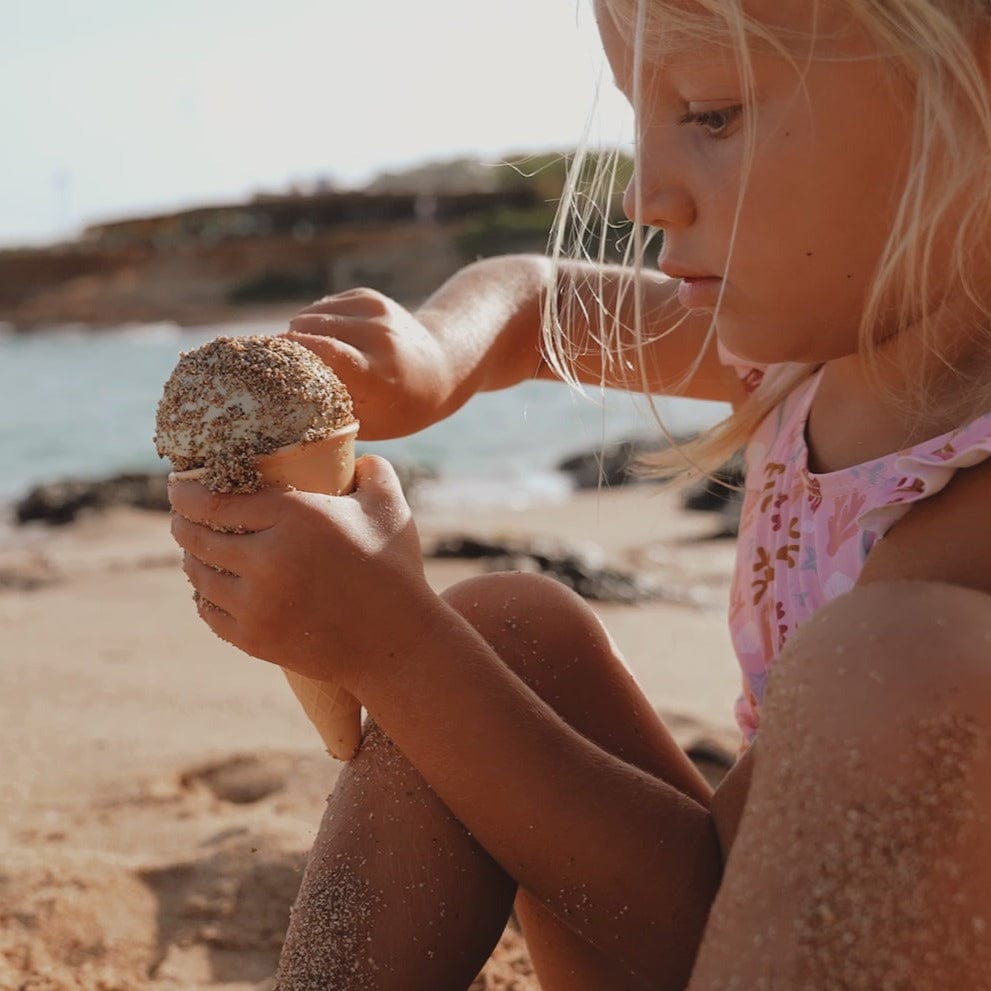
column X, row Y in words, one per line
column 402, row 235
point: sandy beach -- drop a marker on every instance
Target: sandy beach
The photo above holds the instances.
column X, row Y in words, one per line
column 162, row 790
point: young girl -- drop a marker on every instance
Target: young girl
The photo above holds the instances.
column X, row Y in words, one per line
column 821, row 172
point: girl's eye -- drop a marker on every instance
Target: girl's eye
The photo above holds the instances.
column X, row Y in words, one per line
column 716, row 122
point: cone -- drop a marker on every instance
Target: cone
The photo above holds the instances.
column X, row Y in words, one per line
column 325, row 466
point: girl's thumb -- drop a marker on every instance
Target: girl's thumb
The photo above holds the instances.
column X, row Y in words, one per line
column 374, row 473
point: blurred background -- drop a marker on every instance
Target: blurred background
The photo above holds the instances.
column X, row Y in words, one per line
column 176, row 171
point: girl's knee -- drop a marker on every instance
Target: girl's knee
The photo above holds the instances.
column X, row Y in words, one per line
column 529, row 618
column 554, row 642
column 512, row 592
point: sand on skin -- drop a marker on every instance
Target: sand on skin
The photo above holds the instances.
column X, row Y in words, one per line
column 162, row 789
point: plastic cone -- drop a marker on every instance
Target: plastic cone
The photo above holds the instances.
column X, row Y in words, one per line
column 326, row 466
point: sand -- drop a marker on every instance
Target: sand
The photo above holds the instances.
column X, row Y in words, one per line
column 162, row 790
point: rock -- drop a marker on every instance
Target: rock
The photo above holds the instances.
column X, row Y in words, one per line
column 722, row 494
column 62, row 501
column 608, row 466
column 710, row 494
column 713, row 760
column 410, row 476
column 579, row 566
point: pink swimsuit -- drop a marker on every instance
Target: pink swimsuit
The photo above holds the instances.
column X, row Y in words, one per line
column 804, row 537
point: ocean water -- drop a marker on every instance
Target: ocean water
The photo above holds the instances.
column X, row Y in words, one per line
column 77, row 403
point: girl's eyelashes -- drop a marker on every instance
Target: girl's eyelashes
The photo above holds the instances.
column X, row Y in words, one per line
column 716, row 122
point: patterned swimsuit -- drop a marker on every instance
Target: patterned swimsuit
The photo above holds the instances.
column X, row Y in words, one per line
column 804, row 536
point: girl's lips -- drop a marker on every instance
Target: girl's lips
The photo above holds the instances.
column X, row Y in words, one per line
column 699, row 292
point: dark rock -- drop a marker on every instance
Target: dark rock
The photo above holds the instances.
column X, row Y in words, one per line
column 608, row 466
column 710, row 495
column 581, row 568
column 722, row 494
column 614, row 464
column 469, row 548
column 61, row 502
column 729, row 516
column 410, row 476
column 713, row 760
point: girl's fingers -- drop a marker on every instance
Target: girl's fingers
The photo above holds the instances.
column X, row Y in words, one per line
column 250, row 513
column 226, row 551
column 222, row 623
column 220, row 588
column 356, row 334
column 342, row 303
column 317, row 324
column 332, row 350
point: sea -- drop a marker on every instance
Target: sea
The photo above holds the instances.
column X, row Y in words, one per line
column 80, row 403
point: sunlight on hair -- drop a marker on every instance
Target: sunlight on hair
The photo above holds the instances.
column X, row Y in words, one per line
column 930, row 48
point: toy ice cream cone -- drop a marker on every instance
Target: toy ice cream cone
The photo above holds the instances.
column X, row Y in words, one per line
column 327, row 466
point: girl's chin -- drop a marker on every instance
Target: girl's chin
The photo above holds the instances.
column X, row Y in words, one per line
column 743, row 355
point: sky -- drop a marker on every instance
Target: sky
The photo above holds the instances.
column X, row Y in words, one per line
column 112, row 108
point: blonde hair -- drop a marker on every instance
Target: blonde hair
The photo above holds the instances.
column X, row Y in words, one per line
column 928, row 44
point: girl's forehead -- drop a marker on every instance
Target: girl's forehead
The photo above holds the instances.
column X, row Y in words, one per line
column 689, row 28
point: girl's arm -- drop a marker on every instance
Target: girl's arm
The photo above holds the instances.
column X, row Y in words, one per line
column 481, row 331
column 334, row 588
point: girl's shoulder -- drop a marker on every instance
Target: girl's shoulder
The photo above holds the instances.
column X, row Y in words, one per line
column 933, row 512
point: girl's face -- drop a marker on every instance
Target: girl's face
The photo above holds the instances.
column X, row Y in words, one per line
column 831, row 148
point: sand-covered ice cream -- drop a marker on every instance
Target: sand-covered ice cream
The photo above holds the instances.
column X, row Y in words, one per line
column 236, row 398
column 240, row 413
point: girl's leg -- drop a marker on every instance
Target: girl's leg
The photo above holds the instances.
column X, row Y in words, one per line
column 397, row 893
column 584, row 679
column 863, row 858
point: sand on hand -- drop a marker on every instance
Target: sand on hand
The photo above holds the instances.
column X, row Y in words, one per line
column 242, row 413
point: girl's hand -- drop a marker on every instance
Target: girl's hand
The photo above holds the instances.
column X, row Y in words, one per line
column 328, row 586
column 395, row 369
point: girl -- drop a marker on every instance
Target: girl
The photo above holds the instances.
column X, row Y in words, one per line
column 821, row 172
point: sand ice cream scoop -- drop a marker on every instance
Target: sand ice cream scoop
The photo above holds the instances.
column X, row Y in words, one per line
column 236, row 398
column 242, row 413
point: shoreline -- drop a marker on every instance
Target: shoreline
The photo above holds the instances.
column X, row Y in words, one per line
column 183, row 321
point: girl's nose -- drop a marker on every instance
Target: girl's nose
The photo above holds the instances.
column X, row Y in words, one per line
column 661, row 205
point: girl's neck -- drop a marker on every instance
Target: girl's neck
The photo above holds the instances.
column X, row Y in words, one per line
column 851, row 421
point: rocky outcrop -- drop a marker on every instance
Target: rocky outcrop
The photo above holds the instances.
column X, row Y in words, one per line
column 62, row 501
column 580, row 566
column 722, row 494
column 206, row 265
column 614, row 464
column 618, row 464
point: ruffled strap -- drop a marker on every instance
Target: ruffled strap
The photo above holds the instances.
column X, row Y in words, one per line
column 924, row 470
